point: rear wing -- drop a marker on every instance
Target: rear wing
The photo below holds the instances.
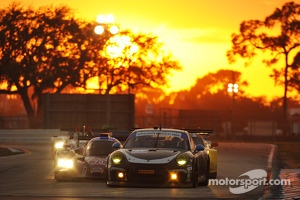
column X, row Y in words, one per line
column 200, row 131
column 204, row 133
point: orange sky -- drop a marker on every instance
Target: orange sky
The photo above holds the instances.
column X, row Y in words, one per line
column 196, row 31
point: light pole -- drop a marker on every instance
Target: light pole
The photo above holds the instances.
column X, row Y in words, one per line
column 106, row 23
column 233, row 88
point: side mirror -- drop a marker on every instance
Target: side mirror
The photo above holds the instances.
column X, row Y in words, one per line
column 199, row 147
column 116, row 145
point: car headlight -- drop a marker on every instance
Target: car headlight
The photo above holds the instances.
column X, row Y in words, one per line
column 182, row 159
column 65, row 163
column 117, row 157
column 59, row 145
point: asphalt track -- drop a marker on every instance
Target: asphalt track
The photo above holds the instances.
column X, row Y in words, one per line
column 30, row 175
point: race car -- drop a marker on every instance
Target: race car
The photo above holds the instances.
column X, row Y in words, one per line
column 85, row 161
column 202, row 137
column 93, row 162
column 64, row 164
column 73, row 140
column 158, row 157
column 57, row 142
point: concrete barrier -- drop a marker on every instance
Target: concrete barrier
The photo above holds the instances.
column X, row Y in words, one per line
column 29, row 135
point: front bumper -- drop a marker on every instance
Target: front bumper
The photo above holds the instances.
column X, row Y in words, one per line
column 143, row 175
column 64, row 174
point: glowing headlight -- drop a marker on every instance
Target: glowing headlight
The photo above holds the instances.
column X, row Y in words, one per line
column 65, row 163
column 59, row 145
column 182, row 159
column 173, row 176
column 117, row 157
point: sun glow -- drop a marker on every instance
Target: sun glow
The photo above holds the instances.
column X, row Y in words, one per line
column 118, row 45
column 198, row 37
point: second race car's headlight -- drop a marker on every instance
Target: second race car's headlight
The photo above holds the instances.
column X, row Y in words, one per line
column 65, row 163
column 117, row 157
column 59, row 144
column 182, row 159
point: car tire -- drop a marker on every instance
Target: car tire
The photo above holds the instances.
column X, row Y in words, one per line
column 195, row 177
column 206, row 178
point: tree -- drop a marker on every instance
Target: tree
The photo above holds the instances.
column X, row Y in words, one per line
column 47, row 50
column 202, row 94
column 295, row 76
column 44, row 49
column 135, row 61
column 278, row 35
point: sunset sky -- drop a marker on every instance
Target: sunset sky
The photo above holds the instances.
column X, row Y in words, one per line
column 198, row 32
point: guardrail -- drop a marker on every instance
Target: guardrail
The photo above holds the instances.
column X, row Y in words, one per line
column 29, row 135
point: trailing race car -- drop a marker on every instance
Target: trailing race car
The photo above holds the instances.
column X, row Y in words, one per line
column 202, row 137
column 64, row 163
column 158, row 157
column 57, row 142
column 93, row 162
column 73, row 140
column 85, row 161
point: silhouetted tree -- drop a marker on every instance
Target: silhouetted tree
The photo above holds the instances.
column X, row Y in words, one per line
column 279, row 35
column 47, row 50
column 135, row 61
column 44, row 49
column 295, row 74
column 202, row 94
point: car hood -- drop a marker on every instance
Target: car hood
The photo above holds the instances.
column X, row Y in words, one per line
column 96, row 160
column 155, row 156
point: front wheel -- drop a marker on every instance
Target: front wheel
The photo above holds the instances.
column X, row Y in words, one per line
column 206, row 177
column 195, row 177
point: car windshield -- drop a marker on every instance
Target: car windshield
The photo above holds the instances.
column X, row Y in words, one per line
column 99, row 148
column 157, row 139
column 198, row 140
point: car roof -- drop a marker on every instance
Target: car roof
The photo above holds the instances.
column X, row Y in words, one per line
column 160, row 129
column 104, row 138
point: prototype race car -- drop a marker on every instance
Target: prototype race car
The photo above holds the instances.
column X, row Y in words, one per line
column 160, row 158
column 93, row 162
column 57, row 142
column 73, row 140
column 202, row 137
column 85, row 161
column 64, row 163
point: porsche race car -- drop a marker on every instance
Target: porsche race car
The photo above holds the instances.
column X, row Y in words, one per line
column 160, row 158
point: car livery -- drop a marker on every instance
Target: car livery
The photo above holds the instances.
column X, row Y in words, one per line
column 158, row 157
column 85, row 161
column 93, row 162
